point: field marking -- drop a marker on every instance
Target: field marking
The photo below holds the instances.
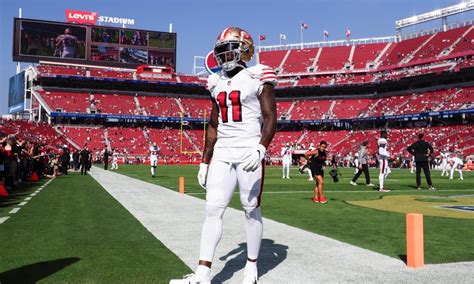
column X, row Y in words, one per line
column 14, row 210
column 28, row 198
column 3, row 219
column 343, row 191
column 22, row 203
column 33, row 194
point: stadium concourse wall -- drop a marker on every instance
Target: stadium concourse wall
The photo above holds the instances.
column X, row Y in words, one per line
column 149, row 118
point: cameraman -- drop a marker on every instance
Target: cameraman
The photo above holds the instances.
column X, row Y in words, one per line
column 317, row 159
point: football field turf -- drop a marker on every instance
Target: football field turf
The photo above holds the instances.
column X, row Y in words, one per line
column 73, row 231
column 288, row 201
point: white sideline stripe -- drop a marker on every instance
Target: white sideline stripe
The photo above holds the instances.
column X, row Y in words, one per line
column 14, row 210
column 345, row 191
column 3, row 219
column 28, row 198
column 22, row 203
column 303, row 257
column 33, row 194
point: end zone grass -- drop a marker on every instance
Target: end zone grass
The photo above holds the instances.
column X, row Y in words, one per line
column 74, row 231
column 288, row 201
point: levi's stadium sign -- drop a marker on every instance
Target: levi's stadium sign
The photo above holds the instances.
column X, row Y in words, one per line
column 83, row 17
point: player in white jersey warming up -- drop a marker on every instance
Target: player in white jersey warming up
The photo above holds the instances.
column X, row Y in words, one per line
column 242, row 125
column 383, row 155
column 153, row 158
column 444, row 163
column 356, row 163
column 286, row 160
column 115, row 155
column 456, row 164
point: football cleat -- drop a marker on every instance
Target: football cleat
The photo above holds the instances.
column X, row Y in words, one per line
column 353, row 183
column 190, row 279
column 315, row 200
column 384, row 190
column 370, row 184
column 250, row 276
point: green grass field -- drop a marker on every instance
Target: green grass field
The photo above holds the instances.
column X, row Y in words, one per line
column 73, row 231
column 288, row 201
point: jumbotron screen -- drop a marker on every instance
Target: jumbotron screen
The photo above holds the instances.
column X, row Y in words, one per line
column 36, row 40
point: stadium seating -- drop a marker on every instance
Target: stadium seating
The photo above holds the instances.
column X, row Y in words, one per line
column 299, row 60
column 272, row 58
column 365, row 53
column 159, row 106
column 128, row 141
column 92, row 136
column 333, row 58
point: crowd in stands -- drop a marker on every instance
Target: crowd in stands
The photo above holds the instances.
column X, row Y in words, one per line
column 30, row 151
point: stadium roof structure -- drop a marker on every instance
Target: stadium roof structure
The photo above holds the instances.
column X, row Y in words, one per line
column 443, row 13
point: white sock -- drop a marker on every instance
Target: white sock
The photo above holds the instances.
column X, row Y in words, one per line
column 251, row 265
column 254, row 230
column 203, row 272
column 152, row 171
column 381, row 180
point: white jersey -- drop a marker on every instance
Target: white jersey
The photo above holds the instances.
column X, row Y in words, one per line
column 456, row 161
column 286, row 154
column 444, row 157
column 154, row 152
column 240, row 116
column 382, row 152
column 115, row 156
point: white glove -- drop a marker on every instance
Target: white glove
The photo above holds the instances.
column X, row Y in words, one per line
column 254, row 159
column 202, row 174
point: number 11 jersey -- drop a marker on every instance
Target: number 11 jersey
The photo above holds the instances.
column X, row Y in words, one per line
column 240, row 116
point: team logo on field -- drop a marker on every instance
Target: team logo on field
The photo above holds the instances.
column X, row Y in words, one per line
column 437, row 206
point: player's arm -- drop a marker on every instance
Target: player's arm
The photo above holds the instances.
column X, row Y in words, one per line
column 411, row 150
column 211, row 135
column 268, row 108
column 308, row 154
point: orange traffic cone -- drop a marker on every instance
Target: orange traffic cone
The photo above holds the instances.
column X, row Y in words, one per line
column 3, row 190
column 34, row 177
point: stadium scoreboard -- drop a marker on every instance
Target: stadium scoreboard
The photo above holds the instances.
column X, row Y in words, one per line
column 38, row 40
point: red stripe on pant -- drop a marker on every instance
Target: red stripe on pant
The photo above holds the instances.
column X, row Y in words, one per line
column 383, row 166
column 259, row 198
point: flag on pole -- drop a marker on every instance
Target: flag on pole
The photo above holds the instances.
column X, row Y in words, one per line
column 348, row 33
column 326, row 33
column 282, row 37
column 304, row 26
column 263, row 37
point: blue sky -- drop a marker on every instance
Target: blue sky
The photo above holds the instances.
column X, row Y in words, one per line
column 198, row 23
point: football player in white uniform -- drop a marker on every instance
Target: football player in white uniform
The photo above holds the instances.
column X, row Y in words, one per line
column 115, row 155
column 383, row 155
column 242, row 125
column 456, row 164
column 153, row 158
column 356, row 162
column 444, row 163
column 286, row 160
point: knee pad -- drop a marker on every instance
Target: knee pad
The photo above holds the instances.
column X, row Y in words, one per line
column 214, row 211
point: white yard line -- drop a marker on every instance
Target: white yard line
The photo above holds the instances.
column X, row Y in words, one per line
column 288, row 254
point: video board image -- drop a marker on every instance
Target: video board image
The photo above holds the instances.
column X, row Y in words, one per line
column 133, row 55
column 105, row 35
column 105, row 53
column 52, row 40
column 160, row 58
column 131, row 37
column 162, row 40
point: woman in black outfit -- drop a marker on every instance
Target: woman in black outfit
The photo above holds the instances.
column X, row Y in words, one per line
column 317, row 158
